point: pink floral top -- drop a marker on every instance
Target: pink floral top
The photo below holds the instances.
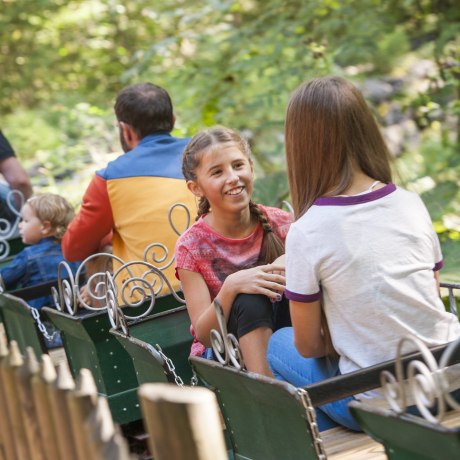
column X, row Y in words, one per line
column 202, row 250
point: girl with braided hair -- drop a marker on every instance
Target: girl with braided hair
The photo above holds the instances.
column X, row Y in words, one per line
column 234, row 251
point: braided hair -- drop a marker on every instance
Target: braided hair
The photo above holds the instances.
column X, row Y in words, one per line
column 272, row 245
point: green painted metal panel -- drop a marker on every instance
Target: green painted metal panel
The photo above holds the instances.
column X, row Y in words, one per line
column 408, row 437
column 20, row 324
column 265, row 417
column 171, row 330
column 89, row 344
column 148, row 363
column 125, row 406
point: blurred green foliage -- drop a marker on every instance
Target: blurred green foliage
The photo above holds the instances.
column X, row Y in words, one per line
column 232, row 62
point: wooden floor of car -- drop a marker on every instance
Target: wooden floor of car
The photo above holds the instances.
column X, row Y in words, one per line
column 57, row 355
column 343, row 444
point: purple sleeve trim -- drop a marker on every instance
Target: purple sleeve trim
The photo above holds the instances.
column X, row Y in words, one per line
column 302, row 297
column 438, row 265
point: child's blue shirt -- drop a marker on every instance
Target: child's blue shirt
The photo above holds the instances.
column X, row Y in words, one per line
column 34, row 265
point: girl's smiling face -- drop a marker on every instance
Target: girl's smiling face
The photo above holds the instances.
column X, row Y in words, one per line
column 225, row 177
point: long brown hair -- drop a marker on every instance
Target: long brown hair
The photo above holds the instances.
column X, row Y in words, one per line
column 329, row 132
column 212, row 138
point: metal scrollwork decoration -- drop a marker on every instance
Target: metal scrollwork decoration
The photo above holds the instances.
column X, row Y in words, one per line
column 142, row 287
column 157, row 253
column 173, row 213
column 116, row 317
column 94, row 297
column 450, row 289
column 65, row 297
column 224, row 345
column 14, row 201
column 69, row 295
column 427, row 381
column 288, row 206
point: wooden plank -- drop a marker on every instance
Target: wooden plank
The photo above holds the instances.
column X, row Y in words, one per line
column 343, row 444
column 183, row 423
column 452, row 419
column 58, row 355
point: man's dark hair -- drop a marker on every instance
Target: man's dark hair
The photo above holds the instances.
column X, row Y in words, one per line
column 147, row 108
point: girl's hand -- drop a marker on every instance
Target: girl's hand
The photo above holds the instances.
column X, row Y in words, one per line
column 268, row 280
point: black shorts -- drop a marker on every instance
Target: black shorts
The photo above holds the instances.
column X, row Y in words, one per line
column 253, row 311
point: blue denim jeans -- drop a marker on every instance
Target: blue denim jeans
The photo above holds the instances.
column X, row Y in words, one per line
column 287, row 364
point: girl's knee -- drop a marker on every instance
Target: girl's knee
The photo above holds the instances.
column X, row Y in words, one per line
column 249, row 312
column 281, row 338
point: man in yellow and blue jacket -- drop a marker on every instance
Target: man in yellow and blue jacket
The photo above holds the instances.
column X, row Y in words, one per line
column 131, row 197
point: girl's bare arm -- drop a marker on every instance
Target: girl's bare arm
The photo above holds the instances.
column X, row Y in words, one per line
column 265, row 279
column 306, row 321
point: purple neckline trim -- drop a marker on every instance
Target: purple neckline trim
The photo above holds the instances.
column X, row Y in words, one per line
column 357, row 199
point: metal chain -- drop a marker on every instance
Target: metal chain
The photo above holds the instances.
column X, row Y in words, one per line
column 171, row 367
column 311, row 417
column 41, row 326
column 194, row 379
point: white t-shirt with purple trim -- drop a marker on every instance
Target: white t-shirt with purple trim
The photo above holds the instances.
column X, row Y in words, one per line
column 372, row 257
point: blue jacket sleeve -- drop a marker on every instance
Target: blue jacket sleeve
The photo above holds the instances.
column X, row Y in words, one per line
column 15, row 272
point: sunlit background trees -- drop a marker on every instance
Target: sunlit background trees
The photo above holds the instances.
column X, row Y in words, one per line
column 233, row 63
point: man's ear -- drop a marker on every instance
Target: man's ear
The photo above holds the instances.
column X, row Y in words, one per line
column 195, row 188
column 129, row 135
column 46, row 229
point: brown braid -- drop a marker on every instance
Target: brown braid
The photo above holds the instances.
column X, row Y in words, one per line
column 272, row 246
column 203, row 207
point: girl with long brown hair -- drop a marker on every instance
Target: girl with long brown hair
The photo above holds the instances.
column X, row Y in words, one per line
column 362, row 251
column 234, row 250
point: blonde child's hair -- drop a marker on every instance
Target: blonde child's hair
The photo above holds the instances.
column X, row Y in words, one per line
column 52, row 208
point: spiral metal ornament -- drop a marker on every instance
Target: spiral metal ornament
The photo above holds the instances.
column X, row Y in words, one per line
column 14, row 201
column 137, row 290
column 66, row 296
column 157, row 253
column 4, row 245
column 443, row 363
column 288, row 206
column 224, row 345
column 113, row 310
column 173, row 211
column 96, row 283
column 392, row 391
column 426, row 382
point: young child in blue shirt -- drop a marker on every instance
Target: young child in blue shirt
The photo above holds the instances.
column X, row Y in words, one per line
column 44, row 221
